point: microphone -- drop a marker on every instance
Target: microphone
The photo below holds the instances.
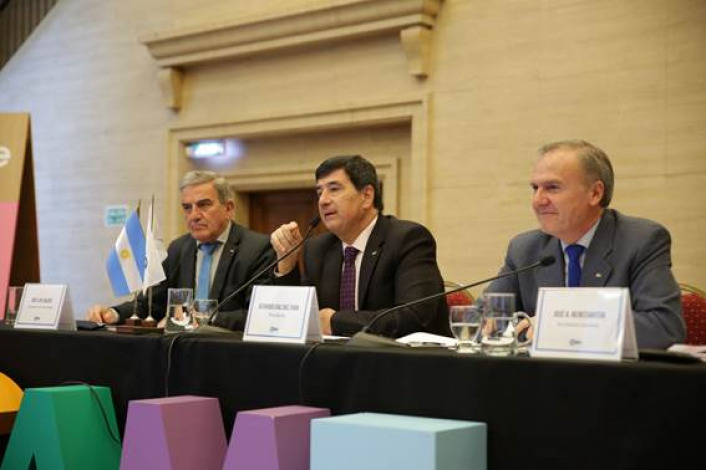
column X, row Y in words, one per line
column 312, row 224
column 363, row 338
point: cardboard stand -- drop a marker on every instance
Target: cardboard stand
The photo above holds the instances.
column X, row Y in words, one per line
column 19, row 250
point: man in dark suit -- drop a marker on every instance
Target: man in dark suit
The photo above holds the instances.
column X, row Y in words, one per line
column 573, row 185
column 368, row 262
column 236, row 254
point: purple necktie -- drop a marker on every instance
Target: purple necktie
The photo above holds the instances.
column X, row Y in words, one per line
column 348, row 279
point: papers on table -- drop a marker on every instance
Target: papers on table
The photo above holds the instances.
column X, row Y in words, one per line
column 691, row 349
column 421, row 339
column 335, row 339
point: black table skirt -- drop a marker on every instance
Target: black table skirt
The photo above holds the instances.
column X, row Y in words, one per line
column 547, row 414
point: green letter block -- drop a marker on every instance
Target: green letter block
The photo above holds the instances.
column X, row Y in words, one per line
column 64, row 428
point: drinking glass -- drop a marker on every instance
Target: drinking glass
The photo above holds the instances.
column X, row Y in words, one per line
column 465, row 321
column 178, row 312
column 14, row 296
column 499, row 328
column 202, row 309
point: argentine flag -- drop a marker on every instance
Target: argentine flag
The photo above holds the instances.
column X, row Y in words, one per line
column 126, row 262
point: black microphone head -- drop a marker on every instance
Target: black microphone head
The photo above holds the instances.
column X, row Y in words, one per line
column 547, row 260
column 315, row 221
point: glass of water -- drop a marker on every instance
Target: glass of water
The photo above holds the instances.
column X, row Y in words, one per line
column 499, row 332
column 14, row 295
column 465, row 321
column 178, row 310
column 202, row 309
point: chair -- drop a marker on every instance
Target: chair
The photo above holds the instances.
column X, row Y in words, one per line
column 694, row 307
column 462, row 297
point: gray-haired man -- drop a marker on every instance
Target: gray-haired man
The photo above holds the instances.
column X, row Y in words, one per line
column 236, row 254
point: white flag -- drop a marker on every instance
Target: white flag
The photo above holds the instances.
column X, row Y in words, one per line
column 154, row 253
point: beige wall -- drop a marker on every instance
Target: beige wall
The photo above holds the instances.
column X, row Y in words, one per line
column 506, row 76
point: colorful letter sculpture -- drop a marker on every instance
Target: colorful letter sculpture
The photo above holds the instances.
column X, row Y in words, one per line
column 272, row 438
column 374, row 441
column 184, row 432
column 64, row 427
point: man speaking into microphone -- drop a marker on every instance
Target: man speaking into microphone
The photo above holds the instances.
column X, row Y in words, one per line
column 368, row 262
column 572, row 183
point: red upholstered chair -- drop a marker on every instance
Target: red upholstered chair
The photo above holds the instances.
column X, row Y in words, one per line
column 694, row 306
column 462, row 297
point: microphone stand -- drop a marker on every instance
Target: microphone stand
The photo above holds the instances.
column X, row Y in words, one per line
column 209, row 328
column 365, row 339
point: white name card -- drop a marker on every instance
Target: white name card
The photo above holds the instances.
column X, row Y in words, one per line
column 45, row 307
column 283, row 314
column 584, row 323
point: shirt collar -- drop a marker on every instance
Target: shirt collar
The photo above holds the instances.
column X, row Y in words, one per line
column 586, row 238
column 222, row 238
column 362, row 241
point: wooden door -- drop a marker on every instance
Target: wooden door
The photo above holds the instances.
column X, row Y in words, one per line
column 270, row 209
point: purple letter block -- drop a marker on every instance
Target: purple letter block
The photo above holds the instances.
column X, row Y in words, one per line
column 174, row 433
column 272, row 438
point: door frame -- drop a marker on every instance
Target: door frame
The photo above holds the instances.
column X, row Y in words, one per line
column 414, row 110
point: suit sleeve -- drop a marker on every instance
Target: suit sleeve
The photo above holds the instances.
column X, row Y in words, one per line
column 656, row 298
column 416, row 275
column 509, row 284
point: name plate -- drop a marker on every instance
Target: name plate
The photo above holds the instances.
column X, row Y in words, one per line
column 584, row 323
column 283, row 314
column 45, row 306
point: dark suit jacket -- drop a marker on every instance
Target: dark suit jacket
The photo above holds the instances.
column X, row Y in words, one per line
column 398, row 266
column 625, row 252
column 244, row 254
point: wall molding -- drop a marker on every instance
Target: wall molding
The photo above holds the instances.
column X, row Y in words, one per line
column 411, row 110
column 342, row 21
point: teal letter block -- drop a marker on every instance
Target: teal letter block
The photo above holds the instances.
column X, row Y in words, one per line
column 64, row 428
column 394, row 442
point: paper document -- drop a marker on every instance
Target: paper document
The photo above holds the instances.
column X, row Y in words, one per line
column 335, row 339
column 427, row 339
column 691, row 349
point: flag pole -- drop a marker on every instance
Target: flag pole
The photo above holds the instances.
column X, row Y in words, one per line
column 135, row 319
column 149, row 320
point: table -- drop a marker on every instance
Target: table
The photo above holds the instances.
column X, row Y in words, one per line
column 540, row 413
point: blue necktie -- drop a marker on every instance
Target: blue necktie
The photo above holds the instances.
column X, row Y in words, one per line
column 574, row 252
column 203, row 285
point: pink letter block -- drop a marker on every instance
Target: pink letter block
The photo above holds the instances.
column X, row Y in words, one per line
column 272, row 438
column 184, row 432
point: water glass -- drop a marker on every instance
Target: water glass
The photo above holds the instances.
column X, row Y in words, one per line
column 465, row 321
column 14, row 296
column 178, row 310
column 499, row 329
column 202, row 309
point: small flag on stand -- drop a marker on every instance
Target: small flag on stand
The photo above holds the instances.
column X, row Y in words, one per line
column 126, row 261
column 154, row 272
